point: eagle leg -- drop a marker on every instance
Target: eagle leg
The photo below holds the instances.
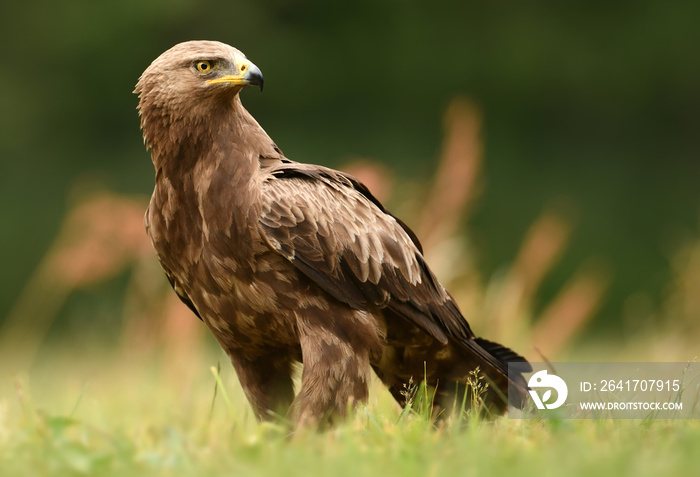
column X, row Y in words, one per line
column 336, row 359
column 266, row 382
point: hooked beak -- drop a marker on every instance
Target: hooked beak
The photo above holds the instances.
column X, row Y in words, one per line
column 248, row 74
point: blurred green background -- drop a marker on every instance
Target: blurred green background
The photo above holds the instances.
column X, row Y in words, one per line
column 589, row 109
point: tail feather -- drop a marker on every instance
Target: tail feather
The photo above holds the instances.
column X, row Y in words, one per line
column 503, row 354
column 496, row 358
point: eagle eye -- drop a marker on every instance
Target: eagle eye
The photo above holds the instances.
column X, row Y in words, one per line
column 203, row 66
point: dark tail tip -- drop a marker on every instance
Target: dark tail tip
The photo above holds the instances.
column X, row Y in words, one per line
column 501, row 353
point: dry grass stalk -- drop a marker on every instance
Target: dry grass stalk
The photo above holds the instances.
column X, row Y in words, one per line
column 566, row 316
column 456, row 177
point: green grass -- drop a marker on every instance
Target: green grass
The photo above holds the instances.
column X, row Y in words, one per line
column 139, row 416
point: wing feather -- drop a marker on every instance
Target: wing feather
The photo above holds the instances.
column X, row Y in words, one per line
column 337, row 234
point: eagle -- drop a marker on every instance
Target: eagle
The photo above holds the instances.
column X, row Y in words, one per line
column 287, row 262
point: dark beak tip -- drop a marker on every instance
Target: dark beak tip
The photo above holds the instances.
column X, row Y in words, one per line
column 254, row 76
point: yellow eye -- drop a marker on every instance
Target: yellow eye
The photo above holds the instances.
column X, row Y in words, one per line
column 203, row 66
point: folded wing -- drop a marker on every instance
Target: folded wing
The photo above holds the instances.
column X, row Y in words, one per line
column 335, row 232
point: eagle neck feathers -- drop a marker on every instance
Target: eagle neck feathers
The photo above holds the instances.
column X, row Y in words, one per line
column 209, row 179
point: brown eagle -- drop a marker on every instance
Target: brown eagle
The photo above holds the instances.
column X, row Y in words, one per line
column 288, row 262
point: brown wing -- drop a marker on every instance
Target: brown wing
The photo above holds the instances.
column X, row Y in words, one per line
column 336, row 233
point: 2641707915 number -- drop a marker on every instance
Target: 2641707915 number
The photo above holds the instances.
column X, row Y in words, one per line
column 643, row 385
